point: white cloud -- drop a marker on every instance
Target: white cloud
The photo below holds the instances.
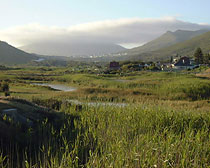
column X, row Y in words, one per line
column 121, row 31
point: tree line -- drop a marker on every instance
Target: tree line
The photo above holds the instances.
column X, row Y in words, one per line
column 201, row 58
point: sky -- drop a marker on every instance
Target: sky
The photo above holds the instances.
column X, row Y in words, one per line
column 20, row 16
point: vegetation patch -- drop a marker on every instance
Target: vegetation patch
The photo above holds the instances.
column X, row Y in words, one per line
column 159, row 126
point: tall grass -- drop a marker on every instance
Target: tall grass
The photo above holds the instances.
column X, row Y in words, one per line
column 159, row 131
column 135, row 136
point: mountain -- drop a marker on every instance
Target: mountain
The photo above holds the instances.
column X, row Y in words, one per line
column 72, row 49
column 12, row 55
column 166, row 40
column 185, row 48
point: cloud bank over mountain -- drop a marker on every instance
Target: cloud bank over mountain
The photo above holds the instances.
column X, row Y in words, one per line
column 121, row 31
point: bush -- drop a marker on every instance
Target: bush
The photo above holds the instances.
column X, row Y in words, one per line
column 5, row 87
column 7, row 94
column 49, row 103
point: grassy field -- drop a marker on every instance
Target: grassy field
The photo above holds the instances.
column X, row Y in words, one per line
column 165, row 121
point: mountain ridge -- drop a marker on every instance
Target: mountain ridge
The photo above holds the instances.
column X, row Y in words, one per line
column 72, row 49
column 167, row 39
column 11, row 55
column 185, row 48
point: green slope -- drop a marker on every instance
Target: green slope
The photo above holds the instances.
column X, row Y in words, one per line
column 166, row 40
column 11, row 55
column 185, row 48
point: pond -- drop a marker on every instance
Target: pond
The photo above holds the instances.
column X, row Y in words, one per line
column 71, row 89
column 57, row 87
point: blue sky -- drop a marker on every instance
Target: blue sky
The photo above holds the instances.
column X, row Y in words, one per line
column 125, row 22
column 71, row 12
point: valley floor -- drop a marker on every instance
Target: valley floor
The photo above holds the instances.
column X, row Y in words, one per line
column 135, row 119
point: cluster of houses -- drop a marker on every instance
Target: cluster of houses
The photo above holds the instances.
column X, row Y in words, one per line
column 181, row 63
column 114, row 65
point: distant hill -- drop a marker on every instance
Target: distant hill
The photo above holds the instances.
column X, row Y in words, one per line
column 12, row 55
column 185, row 48
column 166, row 40
column 72, row 49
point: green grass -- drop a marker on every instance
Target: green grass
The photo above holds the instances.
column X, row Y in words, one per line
column 118, row 137
column 154, row 85
column 165, row 123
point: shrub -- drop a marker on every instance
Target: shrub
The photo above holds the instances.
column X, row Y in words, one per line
column 5, row 87
column 7, row 94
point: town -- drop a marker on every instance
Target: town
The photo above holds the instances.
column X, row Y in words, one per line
column 177, row 63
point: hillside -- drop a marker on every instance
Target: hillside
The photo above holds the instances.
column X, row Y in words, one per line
column 72, row 49
column 12, row 55
column 166, row 40
column 185, row 48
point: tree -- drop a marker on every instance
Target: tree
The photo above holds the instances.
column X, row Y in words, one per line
column 172, row 59
column 198, row 55
column 206, row 59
